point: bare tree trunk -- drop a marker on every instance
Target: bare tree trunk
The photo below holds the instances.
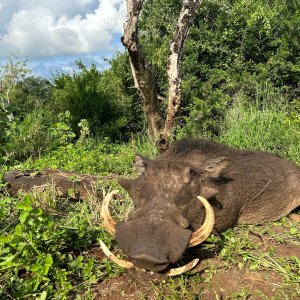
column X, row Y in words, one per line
column 184, row 22
column 160, row 130
column 142, row 73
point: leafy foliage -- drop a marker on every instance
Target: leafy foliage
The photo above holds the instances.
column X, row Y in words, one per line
column 34, row 134
column 41, row 254
column 232, row 48
column 31, row 93
column 83, row 96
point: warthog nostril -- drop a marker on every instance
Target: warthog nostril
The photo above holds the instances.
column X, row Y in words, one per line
column 148, row 258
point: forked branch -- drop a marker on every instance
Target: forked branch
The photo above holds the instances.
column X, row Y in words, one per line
column 184, row 22
column 160, row 129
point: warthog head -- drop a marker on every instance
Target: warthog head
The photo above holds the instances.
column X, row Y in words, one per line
column 167, row 213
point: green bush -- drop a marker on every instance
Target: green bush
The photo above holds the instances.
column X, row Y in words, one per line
column 33, row 135
column 30, row 94
column 27, row 137
column 89, row 94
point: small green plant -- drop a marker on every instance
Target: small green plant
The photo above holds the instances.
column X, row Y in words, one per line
column 84, row 130
column 61, row 131
column 40, row 253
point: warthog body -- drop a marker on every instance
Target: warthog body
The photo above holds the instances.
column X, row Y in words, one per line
column 242, row 186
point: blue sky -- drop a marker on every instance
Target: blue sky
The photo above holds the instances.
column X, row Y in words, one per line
column 55, row 33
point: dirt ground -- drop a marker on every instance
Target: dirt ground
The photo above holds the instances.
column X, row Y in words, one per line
column 211, row 279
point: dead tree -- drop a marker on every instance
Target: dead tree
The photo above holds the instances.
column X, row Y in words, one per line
column 160, row 128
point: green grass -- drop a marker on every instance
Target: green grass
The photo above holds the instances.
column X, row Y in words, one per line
column 45, row 243
column 266, row 127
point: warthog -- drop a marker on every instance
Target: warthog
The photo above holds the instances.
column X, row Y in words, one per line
column 241, row 186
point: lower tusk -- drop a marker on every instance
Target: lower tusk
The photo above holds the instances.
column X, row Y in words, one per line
column 129, row 265
column 121, row 262
column 107, row 221
column 183, row 269
column 205, row 230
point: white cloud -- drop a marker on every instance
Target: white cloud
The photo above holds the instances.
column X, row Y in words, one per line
column 36, row 28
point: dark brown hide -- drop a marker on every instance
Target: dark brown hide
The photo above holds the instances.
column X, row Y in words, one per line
column 242, row 186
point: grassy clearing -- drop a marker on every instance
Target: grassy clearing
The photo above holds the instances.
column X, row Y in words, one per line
column 46, row 243
column 49, row 247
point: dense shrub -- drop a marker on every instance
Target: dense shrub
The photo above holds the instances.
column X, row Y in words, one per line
column 85, row 96
column 31, row 93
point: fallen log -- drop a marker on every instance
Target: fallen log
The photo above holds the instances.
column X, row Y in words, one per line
column 66, row 184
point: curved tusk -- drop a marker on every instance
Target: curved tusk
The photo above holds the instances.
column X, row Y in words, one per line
column 129, row 265
column 121, row 262
column 107, row 221
column 183, row 269
column 204, row 231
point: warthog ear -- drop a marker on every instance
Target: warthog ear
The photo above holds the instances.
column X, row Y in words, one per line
column 216, row 166
column 125, row 183
column 140, row 163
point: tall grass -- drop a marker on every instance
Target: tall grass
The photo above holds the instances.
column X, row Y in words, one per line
column 266, row 126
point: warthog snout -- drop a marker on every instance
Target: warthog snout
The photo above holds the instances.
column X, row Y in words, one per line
column 152, row 246
column 148, row 257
